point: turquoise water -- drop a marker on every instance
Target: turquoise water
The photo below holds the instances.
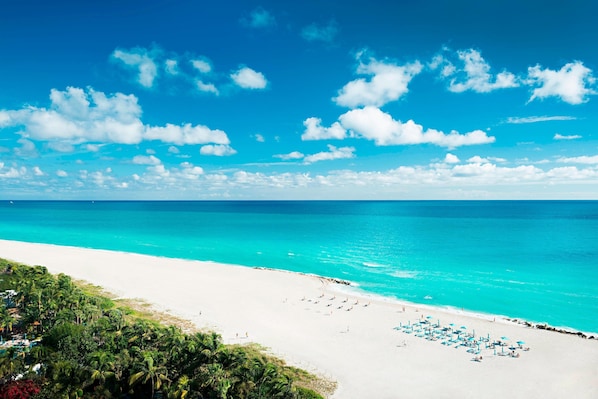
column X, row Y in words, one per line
column 536, row 260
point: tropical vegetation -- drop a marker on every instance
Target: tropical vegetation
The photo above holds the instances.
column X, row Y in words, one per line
column 60, row 341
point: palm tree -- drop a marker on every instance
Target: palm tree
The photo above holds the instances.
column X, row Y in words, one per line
column 269, row 381
column 66, row 376
column 214, row 379
column 101, row 368
column 11, row 363
column 180, row 389
column 155, row 374
column 6, row 320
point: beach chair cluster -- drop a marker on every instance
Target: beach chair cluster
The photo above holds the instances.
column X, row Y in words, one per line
column 459, row 337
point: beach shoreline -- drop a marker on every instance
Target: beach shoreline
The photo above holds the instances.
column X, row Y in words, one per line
column 303, row 319
column 353, row 289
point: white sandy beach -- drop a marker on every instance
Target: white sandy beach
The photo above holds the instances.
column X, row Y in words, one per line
column 358, row 348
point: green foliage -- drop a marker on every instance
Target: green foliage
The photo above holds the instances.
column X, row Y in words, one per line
column 305, row 393
column 92, row 348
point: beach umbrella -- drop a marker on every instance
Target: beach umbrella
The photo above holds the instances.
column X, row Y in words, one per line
column 520, row 342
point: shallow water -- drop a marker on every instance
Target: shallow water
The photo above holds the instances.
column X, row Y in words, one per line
column 536, row 260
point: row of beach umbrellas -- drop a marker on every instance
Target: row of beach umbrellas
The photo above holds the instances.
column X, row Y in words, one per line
column 463, row 328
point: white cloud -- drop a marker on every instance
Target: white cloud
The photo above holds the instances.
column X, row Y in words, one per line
column 259, row 138
column 4, row 118
column 388, row 83
column 475, row 74
column 186, row 134
column 190, row 171
column 141, row 60
column 146, row 160
column 207, row 87
column 477, row 159
column 331, row 154
column 572, row 83
column 27, row 148
column 325, row 33
column 217, row 150
column 259, row 18
column 99, row 179
column 171, row 67
column 446, row 67
column 61, row 146
column 202, row 66
column 37, row 171
column 77, row 116
column 373, row 124
column 12, row 172
column 290, row 156
column 451, row 158
column 432, row 180
column 61, row 173
column 558, row 136
column 584, row 159
column 247, row 78
column 534, row 119
column 315, row 131
column 152, row 65
column 173, row 150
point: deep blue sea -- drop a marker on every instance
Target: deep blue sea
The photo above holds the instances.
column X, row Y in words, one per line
column 536, row 260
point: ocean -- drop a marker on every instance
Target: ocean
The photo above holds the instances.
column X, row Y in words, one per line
column 532, row 260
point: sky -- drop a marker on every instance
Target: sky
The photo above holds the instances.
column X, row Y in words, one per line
column 274, row 99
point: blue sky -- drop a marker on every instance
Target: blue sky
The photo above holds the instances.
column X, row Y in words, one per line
column 299, row 100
